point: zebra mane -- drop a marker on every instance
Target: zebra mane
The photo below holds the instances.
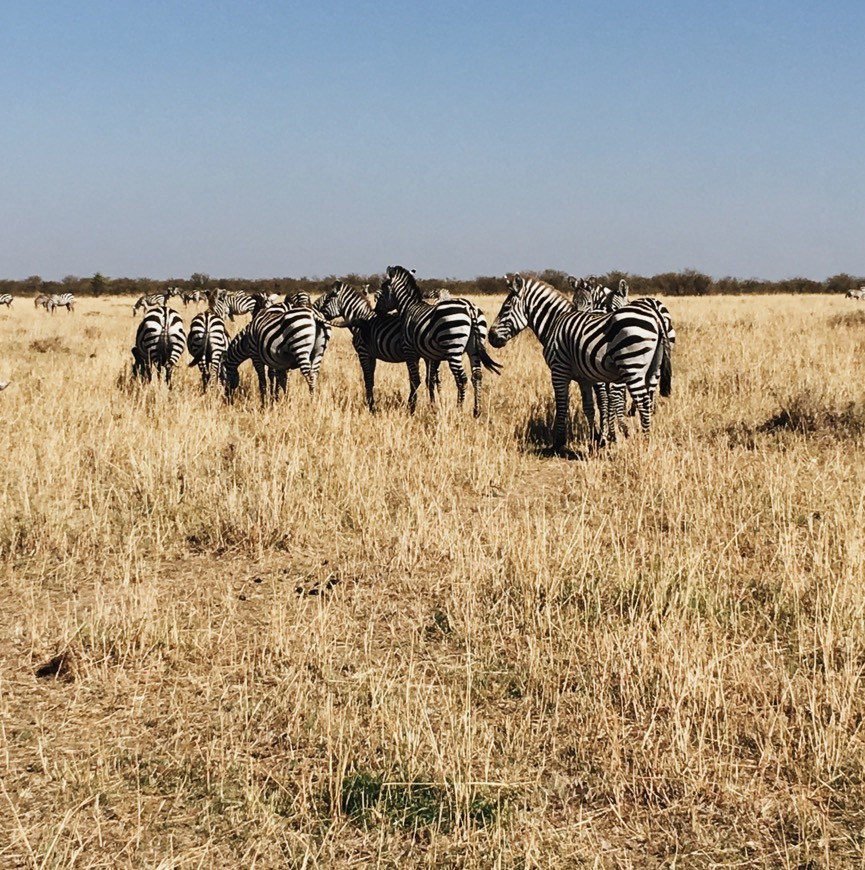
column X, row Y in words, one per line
column 400, row 273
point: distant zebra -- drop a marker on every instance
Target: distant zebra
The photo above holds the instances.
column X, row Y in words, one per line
column 153, row 300
column 6, row 299
column 42, row 299
column 159, row 341
column 207, row 342
column 62, row 300
column 280, row 338
column 855, row 294
column 226, row 304
column 442, row 332
column 190, row 296
column 627, row 346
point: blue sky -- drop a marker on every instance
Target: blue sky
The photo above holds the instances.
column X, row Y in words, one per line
column 267, row 139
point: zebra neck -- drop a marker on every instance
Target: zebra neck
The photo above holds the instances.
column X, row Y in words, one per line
column 544, row 311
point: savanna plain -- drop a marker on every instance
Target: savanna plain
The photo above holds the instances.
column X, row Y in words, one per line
column 308, row 636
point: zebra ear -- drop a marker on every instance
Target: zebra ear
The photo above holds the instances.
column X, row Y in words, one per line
column 573, row 282
column 518, row 282
column 623, row 287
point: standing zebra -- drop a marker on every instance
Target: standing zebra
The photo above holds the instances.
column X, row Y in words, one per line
column 627, row 346
column 855, row 294
column 226, row 304
column 442, row 332
column 207, row 342
column 62, row 300
column 280, row 338
column 374, row 336
column 153, row 300
column 42, row 299
column 159, row 341
column 6, row 299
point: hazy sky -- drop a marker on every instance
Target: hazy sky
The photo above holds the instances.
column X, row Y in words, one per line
column 257, row 139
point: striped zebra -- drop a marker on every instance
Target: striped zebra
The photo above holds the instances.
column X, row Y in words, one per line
column 438, row 333
column 207, row 342
column 42, row 299
column 153, row 300
column 855, row 294
column 190, row 296
column 61, row 300
column 6, row 299
column 375, row 337
column 627, row 346
column 227, row 304
column 159, row 341
column 279, row 338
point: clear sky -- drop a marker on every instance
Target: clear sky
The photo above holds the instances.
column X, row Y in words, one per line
column 258, row 139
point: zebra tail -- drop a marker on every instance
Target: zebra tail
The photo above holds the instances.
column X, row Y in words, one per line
column 666, row 368
column 486, row 360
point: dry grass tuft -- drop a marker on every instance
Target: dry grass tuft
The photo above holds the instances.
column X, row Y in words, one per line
column 848, row 320
column 808, row 412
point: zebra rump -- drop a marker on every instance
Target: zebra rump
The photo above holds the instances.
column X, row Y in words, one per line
column 159, row 341
column 207, row 342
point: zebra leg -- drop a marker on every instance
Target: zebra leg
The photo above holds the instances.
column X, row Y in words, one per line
column 413, row 382
column 262, row 380
column 587, row 393
column 459, row 373
column 643, row 401
column 477, row 381
column 561, row 390
column 432, row 378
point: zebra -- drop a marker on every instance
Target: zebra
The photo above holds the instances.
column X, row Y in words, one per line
column 42, row 299
column 6, row 299
column 226, row 304
column 159, row 341
column 855, row 294
column 440, row 332
column 62, row 300
column 153, row 300
column 207, row 342
column 190, row 296
column 628, row 345
column 374, row 336
column 280, row 338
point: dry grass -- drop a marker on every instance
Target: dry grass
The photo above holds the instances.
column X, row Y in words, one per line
column 313, row 637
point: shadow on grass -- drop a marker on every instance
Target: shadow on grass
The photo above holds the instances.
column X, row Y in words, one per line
column 535, row 435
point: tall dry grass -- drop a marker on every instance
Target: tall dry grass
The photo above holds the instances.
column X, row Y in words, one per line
column 308, row 636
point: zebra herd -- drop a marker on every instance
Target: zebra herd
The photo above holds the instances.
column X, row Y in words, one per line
column 598, row 338
column 52, row 302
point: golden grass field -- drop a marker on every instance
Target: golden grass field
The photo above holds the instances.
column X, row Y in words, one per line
column 307, row 636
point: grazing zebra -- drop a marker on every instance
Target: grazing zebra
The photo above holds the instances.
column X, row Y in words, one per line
column 442, row 332
column 280, row 338
column 226, row 304
column 207, row 342
column 190, row 296
column 855, row 294
column 62, row 300
column 42, row 299
column 627, row 346
column 159, row 341
column 154, row 300
column 6, row 299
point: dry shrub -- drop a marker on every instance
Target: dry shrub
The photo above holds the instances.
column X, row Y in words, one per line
column 809, row 412
column 54, row 344
column 849, row 319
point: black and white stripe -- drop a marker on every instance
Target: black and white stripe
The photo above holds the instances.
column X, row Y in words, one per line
column 279, row 338
column 42, row 299
column 376, row 337
column 6, row 299
column 153, row 300
column 159, row 341
column 627, row 346
column 207, row 342
column 61, row 300
column 227, row 304
column 441, row 332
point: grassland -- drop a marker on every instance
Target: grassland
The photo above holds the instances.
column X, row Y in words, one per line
column 312, row 637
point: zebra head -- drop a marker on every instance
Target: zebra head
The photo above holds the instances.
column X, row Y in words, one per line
column 584, row 292
column 511, row 319
column 397, row 289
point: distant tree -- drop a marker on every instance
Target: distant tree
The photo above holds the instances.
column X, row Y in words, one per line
column 199, row 280
column 34, row 284
column 840, row 283
column 98, row 284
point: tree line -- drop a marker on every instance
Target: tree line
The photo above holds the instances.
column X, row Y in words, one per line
column 687, row 283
